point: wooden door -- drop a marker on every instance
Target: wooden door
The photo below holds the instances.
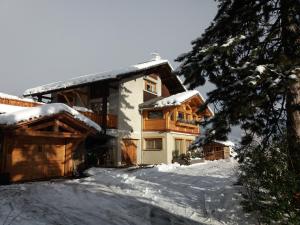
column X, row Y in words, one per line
column 36, row 161
column 129, row 149
column 55, row 160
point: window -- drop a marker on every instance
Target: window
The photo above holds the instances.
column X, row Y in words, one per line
column 155, row 115
column 187, row 144
column 179, row 146
column 153, row 143
column 150, row 86
column 180, row 116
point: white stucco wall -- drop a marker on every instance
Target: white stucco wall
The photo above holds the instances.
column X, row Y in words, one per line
column 129, row 117
column 166, row 154
column 154, row 156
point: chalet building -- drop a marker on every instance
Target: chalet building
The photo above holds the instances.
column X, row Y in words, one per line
column 40, row 141
column 145, row 112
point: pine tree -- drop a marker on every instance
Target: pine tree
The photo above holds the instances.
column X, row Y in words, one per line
column 251, row 53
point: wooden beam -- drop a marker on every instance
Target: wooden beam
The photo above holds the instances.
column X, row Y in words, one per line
column 80, row 99
column 47, row 134
column 43, row 125
column 65, row 126
column 67, row 99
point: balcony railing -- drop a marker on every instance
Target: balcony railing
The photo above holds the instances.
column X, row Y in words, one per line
column 169, row 125
column 111, row 120
column 186, row 123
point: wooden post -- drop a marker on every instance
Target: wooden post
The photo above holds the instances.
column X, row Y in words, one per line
column 40, row 98
column 104, row 107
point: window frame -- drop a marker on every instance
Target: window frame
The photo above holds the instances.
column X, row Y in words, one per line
column 154, row 144
column 152, row 85
column 157, row 118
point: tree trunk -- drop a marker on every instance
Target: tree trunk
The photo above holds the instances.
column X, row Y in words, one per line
column 293, row 125
column 289, row 42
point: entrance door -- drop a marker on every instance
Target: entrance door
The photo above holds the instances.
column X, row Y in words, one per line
column 55, row 160
column 129, row 149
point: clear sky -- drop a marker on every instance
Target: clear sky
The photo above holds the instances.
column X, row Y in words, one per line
column 45, row 41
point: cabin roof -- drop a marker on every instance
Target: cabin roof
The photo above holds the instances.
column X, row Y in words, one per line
column 13, row 97
column 4, row 108
column 16, row 115
column 225, row 143
column 90, row 78
column 173, row 100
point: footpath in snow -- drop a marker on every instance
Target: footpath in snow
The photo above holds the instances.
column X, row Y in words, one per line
column 166, row 194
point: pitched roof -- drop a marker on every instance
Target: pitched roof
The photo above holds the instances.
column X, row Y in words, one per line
column 90, row 78
column 32, row 113
column 173, row 100
column 7, row 96
column 225, row 143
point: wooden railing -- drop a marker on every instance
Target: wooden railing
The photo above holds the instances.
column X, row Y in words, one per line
column 169, row 125
column 181, row 126
column 112, row 120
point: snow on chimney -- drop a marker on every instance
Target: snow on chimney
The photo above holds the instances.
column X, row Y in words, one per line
column 155, row 56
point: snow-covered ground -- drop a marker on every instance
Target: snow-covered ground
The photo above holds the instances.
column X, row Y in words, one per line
column 166, row 194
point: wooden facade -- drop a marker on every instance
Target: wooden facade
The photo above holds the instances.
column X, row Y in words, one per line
column 183, row 118
column 111, row 120
column 216, row 151
column 42, row 149
column 16, row 102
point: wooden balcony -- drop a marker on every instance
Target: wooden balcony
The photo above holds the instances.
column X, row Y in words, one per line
column 112, row 120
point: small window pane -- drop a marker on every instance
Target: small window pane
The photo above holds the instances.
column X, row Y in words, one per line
column 153, row 144
column 155, row 115
column 180, row 115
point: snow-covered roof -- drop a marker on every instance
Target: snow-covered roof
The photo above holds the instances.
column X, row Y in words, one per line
column 226, row 143
column 82, row 109
column 7, row 96
column 10, row 108
column 173, row 100
column 97, row 77
column 30, row 113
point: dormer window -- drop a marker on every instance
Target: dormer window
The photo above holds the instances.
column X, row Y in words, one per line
column 150, row 86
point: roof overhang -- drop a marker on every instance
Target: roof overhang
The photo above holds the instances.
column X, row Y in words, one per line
column 171, row 79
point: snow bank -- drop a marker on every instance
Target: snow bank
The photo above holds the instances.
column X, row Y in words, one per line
column 199, row 194
column 27, row 114
column 167, row 167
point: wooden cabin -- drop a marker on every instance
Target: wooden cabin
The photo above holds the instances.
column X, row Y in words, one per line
column 217, row 150
column 40, row 141
column 115, row 101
